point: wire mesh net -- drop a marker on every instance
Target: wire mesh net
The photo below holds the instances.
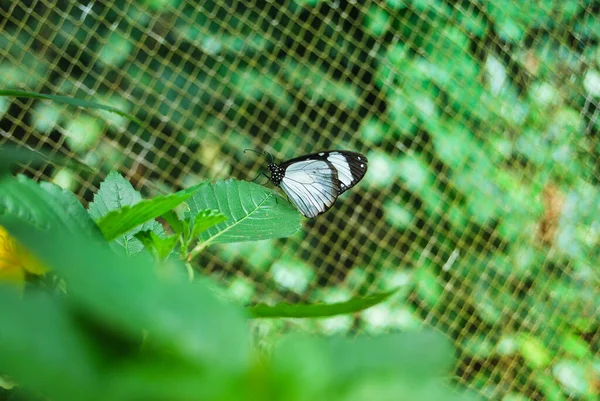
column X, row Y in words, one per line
column 479, row 120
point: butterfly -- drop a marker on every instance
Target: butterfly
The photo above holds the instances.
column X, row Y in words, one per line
column 313, row 182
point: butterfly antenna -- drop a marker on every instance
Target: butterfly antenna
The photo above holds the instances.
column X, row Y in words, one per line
column 263, row 153
column 270, row 156
column 252, row 150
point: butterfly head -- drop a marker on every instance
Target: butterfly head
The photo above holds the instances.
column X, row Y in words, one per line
column 276, row 173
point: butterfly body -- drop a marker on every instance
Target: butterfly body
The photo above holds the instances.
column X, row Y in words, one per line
column 313, row 182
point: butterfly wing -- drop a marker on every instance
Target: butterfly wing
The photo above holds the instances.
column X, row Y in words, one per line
column 351, row 167
column 311, row 185
column 313, row 182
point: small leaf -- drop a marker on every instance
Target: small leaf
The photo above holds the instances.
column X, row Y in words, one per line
column 162, row 246
column 206, row 219
column 318, row 310
column 173, row 220
column 120, row 221
column 68, row 100
column 253, row 213
column 115, row 193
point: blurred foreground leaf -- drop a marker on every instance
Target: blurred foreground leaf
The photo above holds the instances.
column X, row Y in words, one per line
column 37, row 336
column 44, row 205
column 11, row 156
column 173, row 310
column 318, row 310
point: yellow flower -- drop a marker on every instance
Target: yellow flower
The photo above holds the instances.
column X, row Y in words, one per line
column 15, row 261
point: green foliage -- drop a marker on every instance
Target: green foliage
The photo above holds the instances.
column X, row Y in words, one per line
column 117, row 197
column 479, row 121
column 124, row 219
column 172, row 338
column 318, row 310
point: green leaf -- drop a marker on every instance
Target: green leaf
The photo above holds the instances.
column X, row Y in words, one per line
column 399, row 356
column 125, row 295
column 173, row 220
column 68, row 100
column 162, row 246
column 115, row 193
column 206, row 219
column 44, row 205
column 120, row 221
column 253, row 213
column 11, row 156
column 318, row 310
column 37, row 336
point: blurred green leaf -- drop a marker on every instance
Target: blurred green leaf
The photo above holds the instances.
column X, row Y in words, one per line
column 12, row 156
column 184, row 317
column 396, row 355
column 37, row 336
column 45, row 206
column 118, row 222
column 67, row 100
column 353, row 305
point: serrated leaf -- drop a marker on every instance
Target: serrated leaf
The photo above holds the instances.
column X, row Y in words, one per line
column 44, row 205
column 120, row 221
column 318, row 310
column 115, row 193
column 253, row 212
column 206, row 219
column 162, row 246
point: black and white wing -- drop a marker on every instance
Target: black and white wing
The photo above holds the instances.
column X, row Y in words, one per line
column 350, row 167
column 311, row 185
column 313, row 182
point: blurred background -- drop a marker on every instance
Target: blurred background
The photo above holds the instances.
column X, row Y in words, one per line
column 479, row 119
